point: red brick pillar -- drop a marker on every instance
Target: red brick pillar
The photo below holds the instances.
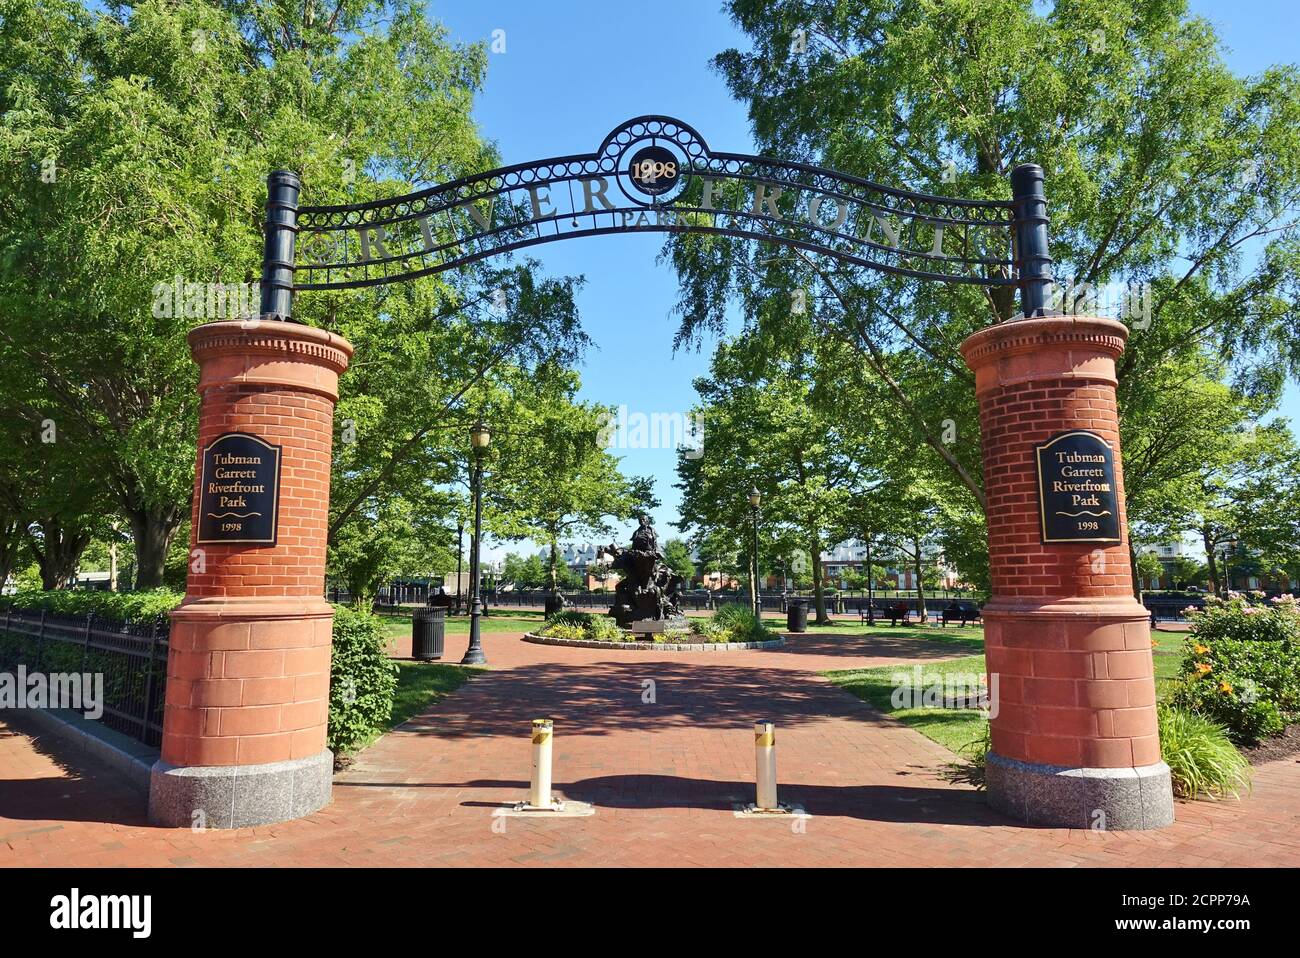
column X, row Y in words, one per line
column 1074, row 737
column 248, row 667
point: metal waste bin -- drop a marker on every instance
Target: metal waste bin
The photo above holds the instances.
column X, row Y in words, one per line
column 428, row 630
column 796, row 619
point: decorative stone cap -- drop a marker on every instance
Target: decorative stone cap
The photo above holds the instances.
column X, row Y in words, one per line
column 269, row 353
column 208, row 608
column 1055, row 347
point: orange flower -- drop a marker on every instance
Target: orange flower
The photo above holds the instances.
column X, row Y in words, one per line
column 1200, row 649
column 1225, row 688
column 1203, row 667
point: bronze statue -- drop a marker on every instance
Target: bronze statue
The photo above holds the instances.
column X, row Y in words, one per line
column 647, row 588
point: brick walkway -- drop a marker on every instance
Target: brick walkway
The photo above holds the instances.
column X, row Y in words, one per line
column 663, row 775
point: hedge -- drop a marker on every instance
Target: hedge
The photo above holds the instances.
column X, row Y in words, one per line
column 362, row 677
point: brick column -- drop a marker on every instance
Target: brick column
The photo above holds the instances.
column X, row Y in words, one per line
column 248, row 667
column 1074, row 740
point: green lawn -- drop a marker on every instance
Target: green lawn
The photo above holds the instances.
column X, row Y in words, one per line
column 955, row 729
column 1166, row 666
column 513, row 621
column 420, row 685
column 967, row 637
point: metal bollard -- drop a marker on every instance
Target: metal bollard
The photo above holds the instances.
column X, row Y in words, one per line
column 765, row 764
column 539, row 795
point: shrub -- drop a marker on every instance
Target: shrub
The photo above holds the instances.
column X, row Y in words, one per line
column 362, row 679
column 111, row 606
column 731, row 623
column 582, row 626
column 561, row 630
column 603, row 627
column 1241, row 666
column 1202, row 759
column 970, row 767
column 569, row 617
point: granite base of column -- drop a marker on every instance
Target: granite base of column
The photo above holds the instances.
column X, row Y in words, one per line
column 239, row 796
column 1108, row 799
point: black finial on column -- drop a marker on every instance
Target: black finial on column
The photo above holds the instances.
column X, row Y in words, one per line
column 1032, row 257
column 282, row 189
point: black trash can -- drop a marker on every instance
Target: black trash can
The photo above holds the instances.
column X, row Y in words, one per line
column 796, row 619
column 428, row 631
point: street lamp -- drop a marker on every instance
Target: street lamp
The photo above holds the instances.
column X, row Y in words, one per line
column 479, row 438
column 871, row 595
column 1229, row 550
column 460, row 551
column 755, row 500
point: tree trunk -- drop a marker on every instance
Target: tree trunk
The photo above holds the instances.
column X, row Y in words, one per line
column 1133, row 571
column 554, row 573
column 819, row 591
column 11, row 541
column 1210, row 563
column 920, row 581
column 59, row 552
column 152, row 531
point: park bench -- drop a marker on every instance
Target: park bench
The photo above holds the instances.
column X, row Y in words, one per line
column 963, row 615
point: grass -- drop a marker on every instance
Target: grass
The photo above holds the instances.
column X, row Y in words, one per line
column 1201, row 758
column 970, row 637
column 522, row 621
column 952, row 728
column 420, row 685
column 957, row 728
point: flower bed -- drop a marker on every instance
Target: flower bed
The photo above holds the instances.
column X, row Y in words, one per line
column 731, row 627
column 1241, row 665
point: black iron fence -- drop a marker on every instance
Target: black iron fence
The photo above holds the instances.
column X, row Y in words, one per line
column 131, row 657
column 397, row 597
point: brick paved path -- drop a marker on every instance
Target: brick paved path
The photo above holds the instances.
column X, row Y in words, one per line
column 663, row 775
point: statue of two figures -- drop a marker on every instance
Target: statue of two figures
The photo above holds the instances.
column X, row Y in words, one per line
column 647, row 590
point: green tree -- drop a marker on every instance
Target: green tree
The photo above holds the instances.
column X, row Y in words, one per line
column 1162, row 166
column 767, row 428
column 563, row 484
column 677, row 556
column 135, row 145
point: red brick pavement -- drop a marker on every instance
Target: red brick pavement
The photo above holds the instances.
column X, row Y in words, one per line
column 664, row 776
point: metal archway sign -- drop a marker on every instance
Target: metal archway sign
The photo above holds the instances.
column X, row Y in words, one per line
column 656, row 174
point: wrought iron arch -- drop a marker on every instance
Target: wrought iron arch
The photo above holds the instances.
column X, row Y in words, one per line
column 656, row 174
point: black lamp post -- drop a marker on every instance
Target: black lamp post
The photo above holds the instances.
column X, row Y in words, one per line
column 871, row 596
column 755, row 500
column 1229, row 549
column 460, row 551
column 479, row 437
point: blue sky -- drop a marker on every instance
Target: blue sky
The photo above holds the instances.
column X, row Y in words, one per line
column 575, row 69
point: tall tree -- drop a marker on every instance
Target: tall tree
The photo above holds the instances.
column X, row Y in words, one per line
column 1163, row 168
column 134, row 150
column 767, row 430
column 562, row 484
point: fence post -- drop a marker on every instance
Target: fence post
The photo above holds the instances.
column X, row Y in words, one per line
column 40, row 642
column 148, row 682
column 85, row 640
